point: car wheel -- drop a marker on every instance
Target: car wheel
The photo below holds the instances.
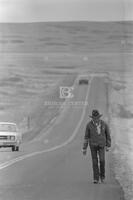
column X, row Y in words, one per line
column 17, row 148
column 13, row 148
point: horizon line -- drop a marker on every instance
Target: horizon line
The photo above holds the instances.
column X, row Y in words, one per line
column 65, row 21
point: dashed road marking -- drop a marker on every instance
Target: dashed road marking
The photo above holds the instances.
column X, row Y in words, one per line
column 20, row 158
column 46, row 141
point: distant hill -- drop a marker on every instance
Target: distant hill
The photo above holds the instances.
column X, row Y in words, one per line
column 51, row 37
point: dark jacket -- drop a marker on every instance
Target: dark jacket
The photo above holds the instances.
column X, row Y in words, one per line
column 93, row 138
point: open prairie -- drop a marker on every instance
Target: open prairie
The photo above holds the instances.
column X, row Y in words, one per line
column 37, row 58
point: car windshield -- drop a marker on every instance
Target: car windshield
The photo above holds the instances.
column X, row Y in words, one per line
column 7, row 128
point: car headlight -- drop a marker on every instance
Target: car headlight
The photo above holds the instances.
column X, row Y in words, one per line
column 12, row 137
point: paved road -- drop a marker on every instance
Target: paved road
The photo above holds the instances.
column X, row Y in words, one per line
column 52, row 167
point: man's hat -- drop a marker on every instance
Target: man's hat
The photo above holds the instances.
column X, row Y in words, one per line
column 95, row 114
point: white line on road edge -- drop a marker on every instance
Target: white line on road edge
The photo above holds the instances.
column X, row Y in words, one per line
column 13, row 161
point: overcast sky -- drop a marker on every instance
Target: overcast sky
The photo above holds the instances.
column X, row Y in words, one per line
column 65, row 10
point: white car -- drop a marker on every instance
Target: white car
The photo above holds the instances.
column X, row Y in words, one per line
column 10, row 136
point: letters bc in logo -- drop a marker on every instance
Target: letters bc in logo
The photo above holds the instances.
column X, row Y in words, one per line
column 66, row 92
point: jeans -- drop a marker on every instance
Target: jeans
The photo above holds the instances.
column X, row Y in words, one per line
column 98, row 161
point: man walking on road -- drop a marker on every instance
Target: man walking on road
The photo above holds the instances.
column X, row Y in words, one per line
column 97, row 134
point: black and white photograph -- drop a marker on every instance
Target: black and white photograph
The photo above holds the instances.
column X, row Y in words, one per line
column 66, row 100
